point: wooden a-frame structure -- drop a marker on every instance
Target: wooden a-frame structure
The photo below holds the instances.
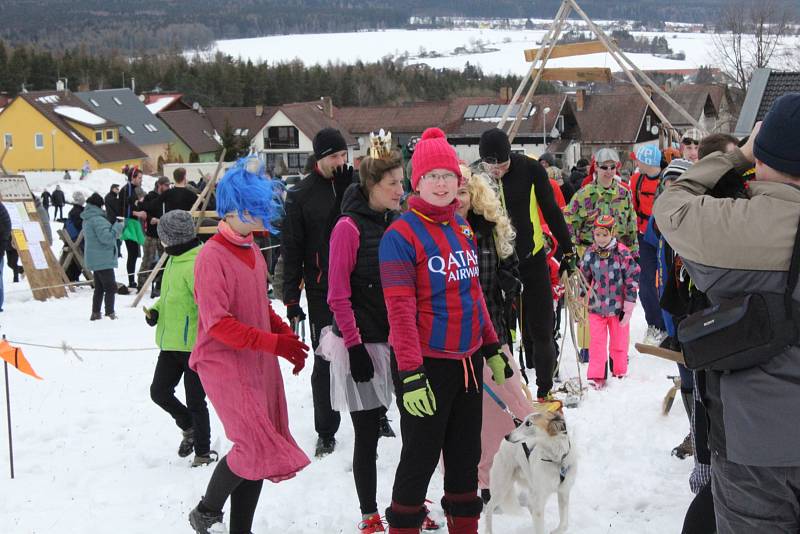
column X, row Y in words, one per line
column 551, row 50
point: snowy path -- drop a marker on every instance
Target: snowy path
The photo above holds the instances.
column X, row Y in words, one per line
column 95, row 455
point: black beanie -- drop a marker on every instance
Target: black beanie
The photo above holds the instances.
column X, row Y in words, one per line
column 778, row 139
column 328, row 141
column 95, row 200
column 494, row 144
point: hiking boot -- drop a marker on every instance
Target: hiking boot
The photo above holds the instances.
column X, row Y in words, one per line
column 325, row 446
column 684, row 449
column 385, row 429
column 202, row 521
column 95, row 316
column 112, row 316
column 205, row 459
column 371, row 524
column 187, row 443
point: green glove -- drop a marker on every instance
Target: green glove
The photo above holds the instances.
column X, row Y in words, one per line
column 418, row 398
column 498, row 363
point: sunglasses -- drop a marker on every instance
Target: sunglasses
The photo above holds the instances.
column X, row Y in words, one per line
column 689, row 142
column 607, row 167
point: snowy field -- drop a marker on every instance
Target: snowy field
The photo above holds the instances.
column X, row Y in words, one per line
column 94, row 455
column 506, row 55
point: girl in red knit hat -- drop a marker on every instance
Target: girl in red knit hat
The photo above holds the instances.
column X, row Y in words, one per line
column 440, row 333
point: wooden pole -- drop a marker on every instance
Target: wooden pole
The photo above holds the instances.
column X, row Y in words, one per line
column 556, row 32
column 527, row 77
column 75, row 253
column 203, row 198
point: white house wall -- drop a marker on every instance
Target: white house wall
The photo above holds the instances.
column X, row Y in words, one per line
column 280, row 119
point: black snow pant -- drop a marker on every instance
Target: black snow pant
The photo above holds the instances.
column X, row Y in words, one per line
column 537, row 320
column 453, row 431
column 133, row 254
column 700, row 515
column 365, row 454
column 171, row 366
column 58, row 212
column 12, row 258
column 326, row 419
column 105, row 288
column 244, row 496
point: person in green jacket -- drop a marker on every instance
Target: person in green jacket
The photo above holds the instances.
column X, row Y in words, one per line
column 100, row 254
column 175, row 317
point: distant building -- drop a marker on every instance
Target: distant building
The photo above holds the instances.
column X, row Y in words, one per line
column 766, row 86
column 56, row 130
column 136, row 123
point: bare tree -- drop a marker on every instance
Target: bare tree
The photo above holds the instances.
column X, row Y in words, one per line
column 749, row 35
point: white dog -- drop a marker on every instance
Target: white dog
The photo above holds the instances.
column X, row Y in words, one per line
column 538, row 456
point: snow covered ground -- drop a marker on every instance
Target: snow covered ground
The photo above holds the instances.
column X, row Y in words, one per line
column 94, row 455
column 506, row 55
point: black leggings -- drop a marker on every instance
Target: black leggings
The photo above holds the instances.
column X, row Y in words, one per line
column 700, row 517
column 365, row 453
column 133, row 254
column 538, row 320
column 244, row 496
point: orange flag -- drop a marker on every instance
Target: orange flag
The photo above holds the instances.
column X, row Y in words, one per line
column 14, row 356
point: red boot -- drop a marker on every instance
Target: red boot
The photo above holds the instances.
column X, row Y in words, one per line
column 463, row 512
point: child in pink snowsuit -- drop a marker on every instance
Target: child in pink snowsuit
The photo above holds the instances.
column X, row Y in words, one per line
column 238, row 339
column 613, row 275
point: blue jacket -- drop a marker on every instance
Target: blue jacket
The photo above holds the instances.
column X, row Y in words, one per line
column 101, row 239
column 653, row 237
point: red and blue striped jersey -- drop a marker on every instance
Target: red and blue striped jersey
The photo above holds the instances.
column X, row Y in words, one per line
column 436, row 263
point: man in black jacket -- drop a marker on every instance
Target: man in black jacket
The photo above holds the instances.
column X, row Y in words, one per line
column 5, row 242
column 524, row 185
column 304, row 248
column 152, row 244
column 58, row 203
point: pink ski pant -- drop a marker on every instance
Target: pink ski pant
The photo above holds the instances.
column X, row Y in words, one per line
column 607, row 335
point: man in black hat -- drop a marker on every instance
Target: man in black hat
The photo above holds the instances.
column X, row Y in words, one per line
column 525, row 186
column 732, row 249
column 304, row 248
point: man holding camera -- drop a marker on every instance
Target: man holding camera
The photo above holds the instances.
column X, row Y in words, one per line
column 735, row 248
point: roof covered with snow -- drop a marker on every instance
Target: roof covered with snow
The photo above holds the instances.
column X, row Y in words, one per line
column 79, row 115
column 124, row 107
column 48, row 102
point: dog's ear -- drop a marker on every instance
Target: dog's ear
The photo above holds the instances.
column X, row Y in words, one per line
column 556, row 426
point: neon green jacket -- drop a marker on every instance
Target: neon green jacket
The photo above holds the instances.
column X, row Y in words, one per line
column 177, row 310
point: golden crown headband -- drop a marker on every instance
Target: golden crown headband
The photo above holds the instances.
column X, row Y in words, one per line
column 380, row 146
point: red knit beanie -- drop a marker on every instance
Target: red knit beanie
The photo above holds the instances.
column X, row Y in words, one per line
column 432, row 152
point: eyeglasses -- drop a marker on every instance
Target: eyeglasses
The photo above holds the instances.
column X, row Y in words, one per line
column 446, row 177
column 689, row 142
column 607, row 167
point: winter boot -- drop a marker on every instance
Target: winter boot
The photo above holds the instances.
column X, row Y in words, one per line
column 325, row 446
column 95, row 316
column 112, row 316
column 405, row 523
column 486, row 495
column 187, row 443
column 385, row 429
column 462, row 514
column 205, row 459
column 371, row 524
column 202, row 521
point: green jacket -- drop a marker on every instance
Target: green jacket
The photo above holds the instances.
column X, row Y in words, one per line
column 177, row 311
column 594, row 200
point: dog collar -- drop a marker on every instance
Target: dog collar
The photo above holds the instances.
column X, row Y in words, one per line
column 562, row 469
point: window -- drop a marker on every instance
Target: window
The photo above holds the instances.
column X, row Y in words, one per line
column 648, row 123
column 560, row 123
column 8, row 140
column 150, row 128
column 130, row 130
column 109, row 136
column 38, row 141
column 118, row 101
column 296, row 160
column 98, row 136
column 281, row 137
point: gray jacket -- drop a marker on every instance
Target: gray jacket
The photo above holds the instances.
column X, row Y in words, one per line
column 732, row 247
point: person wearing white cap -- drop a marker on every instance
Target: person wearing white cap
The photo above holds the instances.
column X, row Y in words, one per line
column 690, row 144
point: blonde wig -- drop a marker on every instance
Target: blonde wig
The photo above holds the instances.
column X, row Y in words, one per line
column 486, row 202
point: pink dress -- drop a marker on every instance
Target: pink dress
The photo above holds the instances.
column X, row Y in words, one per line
column 245, row 386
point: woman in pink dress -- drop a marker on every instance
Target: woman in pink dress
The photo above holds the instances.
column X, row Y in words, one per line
column 238, row 339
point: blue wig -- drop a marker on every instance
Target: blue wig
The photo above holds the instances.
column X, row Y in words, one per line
column 245, row 188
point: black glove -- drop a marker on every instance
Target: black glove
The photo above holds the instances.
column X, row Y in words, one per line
column 151, row 318
column 569, row 263
column 361, row 367
column 342, row 177
column 294, row 311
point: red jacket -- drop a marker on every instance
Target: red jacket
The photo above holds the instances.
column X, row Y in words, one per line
column 644, row 195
